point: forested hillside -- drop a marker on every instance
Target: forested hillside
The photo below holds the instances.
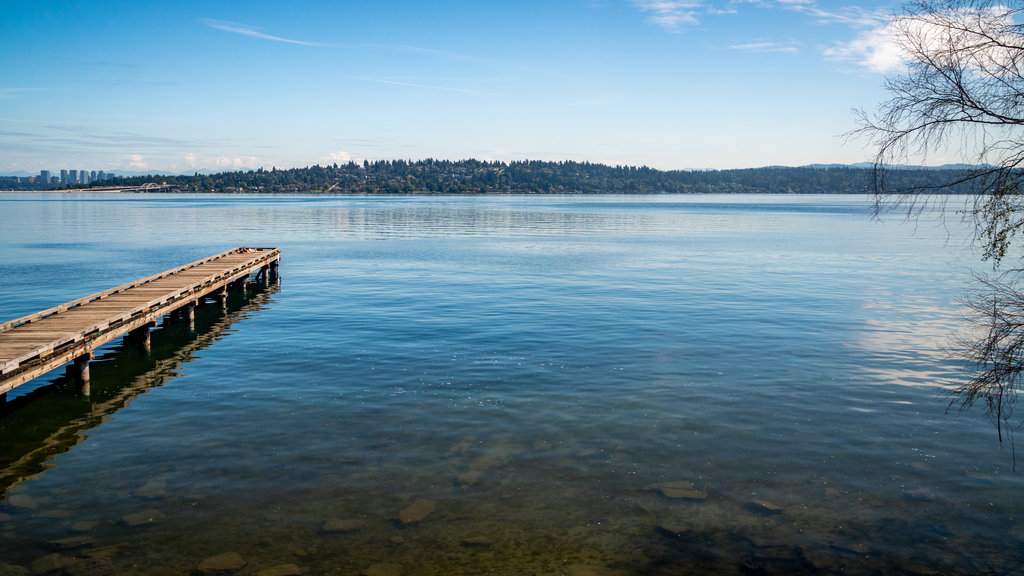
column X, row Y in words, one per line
column 533, row 177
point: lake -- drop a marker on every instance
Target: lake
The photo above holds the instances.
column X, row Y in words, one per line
column 608, row 385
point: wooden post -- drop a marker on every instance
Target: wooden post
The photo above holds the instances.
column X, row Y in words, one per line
column 79, row 369
column 190, row 315
column 264, row 276
column 140, row 339
column 221, row 296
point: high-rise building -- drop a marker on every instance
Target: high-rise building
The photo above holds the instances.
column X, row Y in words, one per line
column 63, row 177
column 44, row 176
column 83, row 177
column 101, row 175
column 72, row 177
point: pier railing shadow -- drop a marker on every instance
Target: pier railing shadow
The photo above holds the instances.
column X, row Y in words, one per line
column 53, row 418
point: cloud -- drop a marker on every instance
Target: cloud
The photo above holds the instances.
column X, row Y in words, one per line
column 768, row 47
column 137, row 162
column 876, row 49
column 245, row 30
column 253, row 32
column 853, row 16
column 424, row 86
column 340, row 157
column 982, row 39
column 10, row 92
column 671, row 14
column 222, row 162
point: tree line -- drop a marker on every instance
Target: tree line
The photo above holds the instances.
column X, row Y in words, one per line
column 532, row 177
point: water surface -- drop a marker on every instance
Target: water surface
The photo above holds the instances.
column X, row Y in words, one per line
column 565, row 385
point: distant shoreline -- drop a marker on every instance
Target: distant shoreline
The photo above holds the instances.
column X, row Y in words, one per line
column 115, row 190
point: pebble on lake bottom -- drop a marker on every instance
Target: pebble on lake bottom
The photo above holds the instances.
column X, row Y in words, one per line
column 762, row 508
column 682, row 490
column 225, row 562
column 84, row 526
column 281, row 570
column 148, row 516
column 477, row 542
column 383, row 569
column 417, row 511
column 342, row 525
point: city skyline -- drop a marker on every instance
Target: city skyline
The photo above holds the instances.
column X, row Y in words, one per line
column 670, row 84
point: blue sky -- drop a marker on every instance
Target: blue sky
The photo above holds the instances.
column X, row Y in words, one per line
column 189, row 85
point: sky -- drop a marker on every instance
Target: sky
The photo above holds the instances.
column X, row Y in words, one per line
column 189, row 85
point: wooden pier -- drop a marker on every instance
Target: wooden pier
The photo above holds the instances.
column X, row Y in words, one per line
column 38, row 343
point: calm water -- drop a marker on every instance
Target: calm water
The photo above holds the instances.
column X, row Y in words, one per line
column 553, row 385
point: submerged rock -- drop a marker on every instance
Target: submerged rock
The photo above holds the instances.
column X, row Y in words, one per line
column 762, row 508
column 22, row 501
column 108, row 551
column 477, row 542
column 682, row 490
column 13, row 570
column 50, row 563
column 919, row 495
column 156, row 487
column 343, row 525
column 482, row 465
column 70, row 543
column 143, row 518
column 471, row 477
column 228, row 561
column 84, row 526
column 281, row 570
column 460, row 447
column 383, row 569
column 417, row 511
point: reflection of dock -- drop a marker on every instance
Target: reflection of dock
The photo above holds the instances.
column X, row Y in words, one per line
column 49, row 421
column 35, row 344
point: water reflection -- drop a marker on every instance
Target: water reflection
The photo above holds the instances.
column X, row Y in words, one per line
column 54, row 418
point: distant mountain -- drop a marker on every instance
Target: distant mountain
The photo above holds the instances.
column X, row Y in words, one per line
column 871, row 165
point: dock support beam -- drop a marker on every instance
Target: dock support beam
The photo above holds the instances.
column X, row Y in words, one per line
column 79, row 370
column 221, row 296
column 140, row 339
column 190, row 315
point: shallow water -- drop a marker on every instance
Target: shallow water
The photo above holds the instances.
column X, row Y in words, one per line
column 563, row 385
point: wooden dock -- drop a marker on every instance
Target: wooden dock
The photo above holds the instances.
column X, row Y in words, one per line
column 38, row 343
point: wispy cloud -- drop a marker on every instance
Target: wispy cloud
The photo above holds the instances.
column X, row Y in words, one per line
column 789, row 47
column 408, row 84
column 11, row 92
column 254, row 32
column 246, row 30
column 671, row 14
